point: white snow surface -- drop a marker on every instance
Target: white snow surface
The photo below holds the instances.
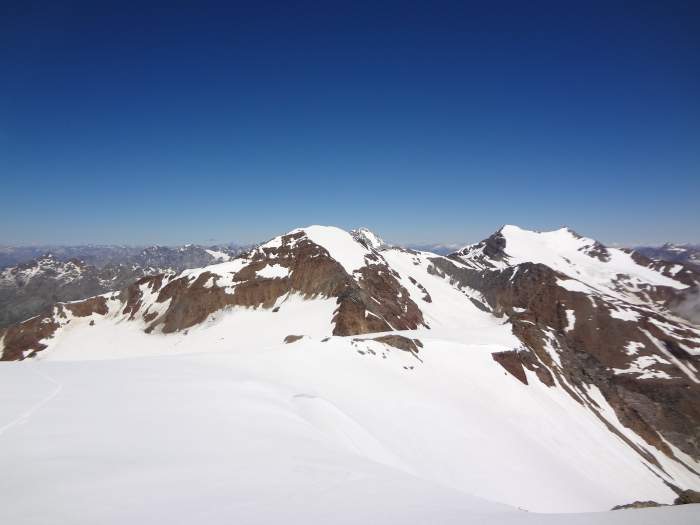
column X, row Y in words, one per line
column 237, row 327
column 624, row 314
column 310, row 432
column 340, row 245
column 555, row 247
column 573, row 285
column 273, row 271
column 641, row 367
column 221, row 256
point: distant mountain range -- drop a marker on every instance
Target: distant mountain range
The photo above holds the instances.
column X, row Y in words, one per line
column 193, row 255
column 70, row 273
column 176, row 257
column 34, row 277
column 439, row 248
column 680, row 253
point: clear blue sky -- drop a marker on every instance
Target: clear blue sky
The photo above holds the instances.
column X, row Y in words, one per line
column 425, row 121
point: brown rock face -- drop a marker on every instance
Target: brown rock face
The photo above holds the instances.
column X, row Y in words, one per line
column 510, row 361
column 686, row 497
column 601, row 351
column 190, row 303
column 311, row 273
column 377, row 303
column 517, row 361
column 93, row 305
column 24, row 340
column 353, row 316
column 597, row 251
column 638, row 505
column 131, row 297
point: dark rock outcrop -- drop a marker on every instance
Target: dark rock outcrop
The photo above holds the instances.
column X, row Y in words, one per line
column 638, row 505
column 687, row 497
column 401, row 342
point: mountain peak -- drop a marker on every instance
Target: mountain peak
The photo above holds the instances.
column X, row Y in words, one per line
column 582, row 259
column 368, row 238
column 340, row 244
column 347, row 248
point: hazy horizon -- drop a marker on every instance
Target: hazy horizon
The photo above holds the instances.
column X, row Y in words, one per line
column 420, row 243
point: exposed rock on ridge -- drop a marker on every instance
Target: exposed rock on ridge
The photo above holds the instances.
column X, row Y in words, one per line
column 369, row 300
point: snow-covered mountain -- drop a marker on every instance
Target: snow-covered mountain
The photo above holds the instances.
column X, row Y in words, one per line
column 688, row 254
column 165, row 257
column 605, row 270
column 368, row 238
column 543, row 371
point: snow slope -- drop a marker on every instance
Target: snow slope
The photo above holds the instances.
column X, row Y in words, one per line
column 450, row 314
column 340, row 245
column 237, row 328
column 310, row 431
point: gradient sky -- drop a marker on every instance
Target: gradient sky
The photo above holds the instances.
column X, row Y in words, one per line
column 425, row 121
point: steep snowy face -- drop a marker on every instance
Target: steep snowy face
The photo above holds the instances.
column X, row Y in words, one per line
column 368, row 238
column 340, row 245
column 584, row 262
column 218, row 255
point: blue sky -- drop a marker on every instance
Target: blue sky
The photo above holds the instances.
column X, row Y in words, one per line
column 425, row 121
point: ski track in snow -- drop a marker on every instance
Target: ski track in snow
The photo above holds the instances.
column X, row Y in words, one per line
column 24, row 417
